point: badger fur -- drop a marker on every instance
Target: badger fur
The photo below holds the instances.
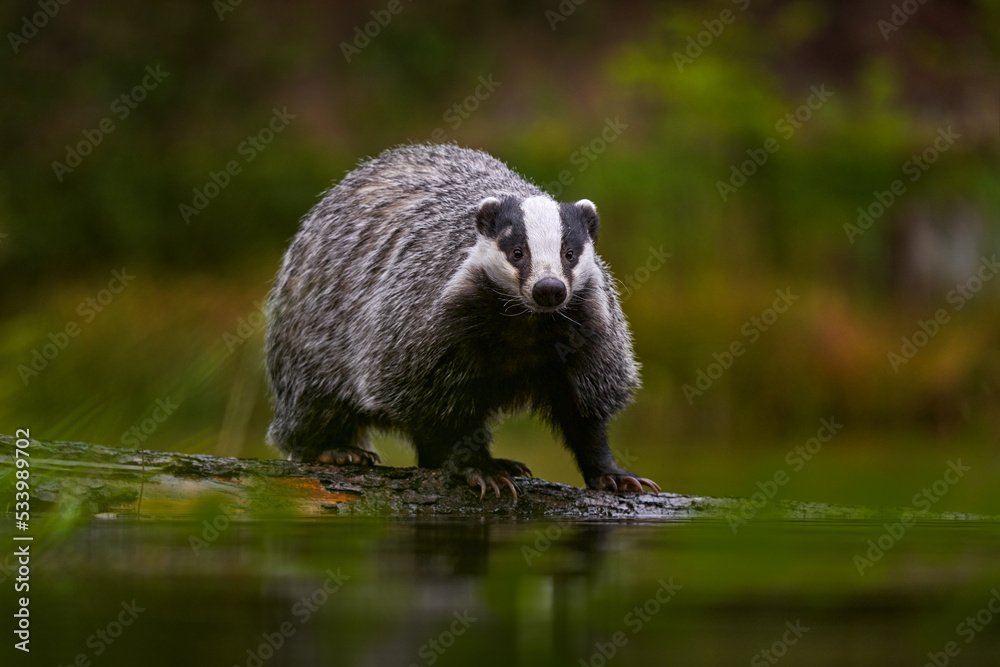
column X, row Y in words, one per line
column 429, row 292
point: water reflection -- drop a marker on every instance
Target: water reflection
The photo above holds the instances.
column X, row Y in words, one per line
column 461, row 592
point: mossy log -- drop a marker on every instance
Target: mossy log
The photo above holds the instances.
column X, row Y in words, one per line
column 93, row 480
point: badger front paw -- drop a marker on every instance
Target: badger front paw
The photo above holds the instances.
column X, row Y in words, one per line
column 621, row 481
column 493, row 475
column 347, row 455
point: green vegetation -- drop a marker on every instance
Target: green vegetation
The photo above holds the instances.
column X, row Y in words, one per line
column 596, row 108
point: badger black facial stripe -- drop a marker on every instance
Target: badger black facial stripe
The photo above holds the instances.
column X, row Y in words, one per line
column 574, row 232
column 512, row 232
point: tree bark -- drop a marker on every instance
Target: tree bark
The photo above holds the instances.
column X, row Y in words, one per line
column 91, row 480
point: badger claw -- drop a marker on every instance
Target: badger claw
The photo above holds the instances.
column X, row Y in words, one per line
column 343, row 456
column 489, row 480
column 653, row 486
column 624, row 482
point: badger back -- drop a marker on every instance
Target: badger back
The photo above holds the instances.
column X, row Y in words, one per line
column 371, row 261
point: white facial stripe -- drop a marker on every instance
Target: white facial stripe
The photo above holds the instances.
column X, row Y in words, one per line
column 544, row 230
column 486, row 256
column 586, row 268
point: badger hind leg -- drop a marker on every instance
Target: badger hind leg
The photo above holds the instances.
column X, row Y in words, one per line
column 334, row 441
column 349, row 445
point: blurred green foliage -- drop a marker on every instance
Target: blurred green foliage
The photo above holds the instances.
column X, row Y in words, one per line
column 178, row 330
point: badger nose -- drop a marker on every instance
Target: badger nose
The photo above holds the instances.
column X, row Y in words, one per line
column 548, row 292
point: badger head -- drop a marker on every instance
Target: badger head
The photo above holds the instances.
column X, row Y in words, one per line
column 536, row 250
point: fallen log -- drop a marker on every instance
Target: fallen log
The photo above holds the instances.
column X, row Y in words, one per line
column 84, row 479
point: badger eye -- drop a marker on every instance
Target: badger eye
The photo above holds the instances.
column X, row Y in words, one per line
column 569, row 255
column 517, row 253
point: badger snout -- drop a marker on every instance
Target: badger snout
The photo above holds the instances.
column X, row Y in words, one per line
column 549, row 292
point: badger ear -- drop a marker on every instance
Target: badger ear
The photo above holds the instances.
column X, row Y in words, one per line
column 588, row 213
column 486, row 216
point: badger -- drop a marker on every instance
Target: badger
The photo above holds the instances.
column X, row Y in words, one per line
column 432, row 291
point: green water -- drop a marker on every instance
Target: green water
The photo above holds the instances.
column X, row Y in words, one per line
column 362, row 592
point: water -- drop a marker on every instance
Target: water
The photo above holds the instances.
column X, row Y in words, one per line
column 345, row 591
